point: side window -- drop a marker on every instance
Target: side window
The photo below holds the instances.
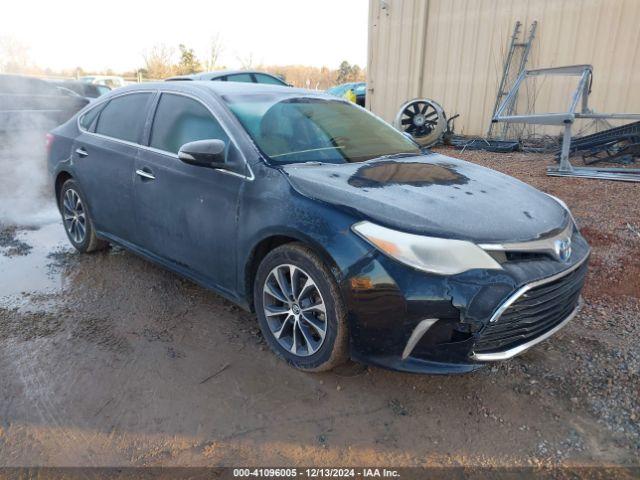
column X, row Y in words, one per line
column 87, row 120
column 240, row 77
column 181, row 120
column 123, row 117
column 262, row 78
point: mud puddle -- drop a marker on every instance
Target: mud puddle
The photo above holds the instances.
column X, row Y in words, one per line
column 31, row 261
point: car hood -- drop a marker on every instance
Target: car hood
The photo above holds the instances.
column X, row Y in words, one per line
column 434, row 195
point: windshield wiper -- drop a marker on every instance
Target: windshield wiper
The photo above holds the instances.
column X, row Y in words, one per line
column 309, row 150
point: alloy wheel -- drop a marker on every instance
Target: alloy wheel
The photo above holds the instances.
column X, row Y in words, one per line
column 74, row 216
column 295, row 310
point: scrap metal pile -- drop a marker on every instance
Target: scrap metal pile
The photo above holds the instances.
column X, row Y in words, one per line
column 425, row 121
column 618, row 144
column 623, row 141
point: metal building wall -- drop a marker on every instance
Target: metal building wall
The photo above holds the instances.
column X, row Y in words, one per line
column 453, row 50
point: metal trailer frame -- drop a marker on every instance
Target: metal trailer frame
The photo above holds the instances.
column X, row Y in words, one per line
column 514, row 44
column 567, row 118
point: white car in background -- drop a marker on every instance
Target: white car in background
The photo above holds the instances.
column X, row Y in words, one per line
column 110, row 81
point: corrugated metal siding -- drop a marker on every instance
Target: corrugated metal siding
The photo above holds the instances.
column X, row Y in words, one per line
column 453, row 50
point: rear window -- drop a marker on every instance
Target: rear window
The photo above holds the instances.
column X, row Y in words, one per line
column 240, row 77
column 123, row 117
column 268, row 79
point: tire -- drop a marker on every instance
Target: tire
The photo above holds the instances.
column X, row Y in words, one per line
column 76, row 219
column 314, row 352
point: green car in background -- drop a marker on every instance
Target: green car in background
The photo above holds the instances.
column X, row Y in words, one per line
column 359, row 89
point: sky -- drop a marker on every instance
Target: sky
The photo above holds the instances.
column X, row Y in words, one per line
column 64, row 34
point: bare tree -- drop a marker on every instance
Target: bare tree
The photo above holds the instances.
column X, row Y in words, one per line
column 215, row 51
column 159, row 61
column 14, row 55
column 246, row 62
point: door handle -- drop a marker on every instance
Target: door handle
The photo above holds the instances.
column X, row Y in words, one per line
column 145, row 174
column 81, row 152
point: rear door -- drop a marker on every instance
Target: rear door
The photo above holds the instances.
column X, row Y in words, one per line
column 104, row 155
column 187, row 214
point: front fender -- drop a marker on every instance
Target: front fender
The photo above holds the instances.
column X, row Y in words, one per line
column 321, row 226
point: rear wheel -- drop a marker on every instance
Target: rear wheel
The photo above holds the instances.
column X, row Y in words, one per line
column 77, row 220
column 300, row 310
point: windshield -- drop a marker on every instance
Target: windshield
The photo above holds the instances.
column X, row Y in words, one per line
column 290, row 129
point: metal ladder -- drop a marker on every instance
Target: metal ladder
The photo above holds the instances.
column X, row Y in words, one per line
column 517, row 48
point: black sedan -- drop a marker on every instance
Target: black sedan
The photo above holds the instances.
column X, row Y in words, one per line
column 84, row 89
column 344, row 238
column 33, row 104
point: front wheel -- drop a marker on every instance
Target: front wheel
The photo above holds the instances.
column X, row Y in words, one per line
column 300, row 310
column 76, row 219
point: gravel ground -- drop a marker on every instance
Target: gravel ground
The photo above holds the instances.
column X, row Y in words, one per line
column 108, row 360
column 606, row 359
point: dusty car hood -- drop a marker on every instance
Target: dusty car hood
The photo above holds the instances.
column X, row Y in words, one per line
column 434, row 195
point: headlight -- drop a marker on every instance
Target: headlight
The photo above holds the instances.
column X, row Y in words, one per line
column 429, row 254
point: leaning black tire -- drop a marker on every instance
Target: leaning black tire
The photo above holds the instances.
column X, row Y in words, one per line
column 334, row 349
column 89, row 241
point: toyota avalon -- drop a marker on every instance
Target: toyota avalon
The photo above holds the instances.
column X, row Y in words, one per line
column 343, row 236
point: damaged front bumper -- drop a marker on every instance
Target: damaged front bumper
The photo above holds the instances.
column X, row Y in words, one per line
column 410, row 321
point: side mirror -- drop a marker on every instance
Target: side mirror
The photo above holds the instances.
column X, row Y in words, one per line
column 203, row 153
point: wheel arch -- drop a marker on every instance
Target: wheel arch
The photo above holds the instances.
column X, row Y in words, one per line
column 273, row 240
column 61, row 177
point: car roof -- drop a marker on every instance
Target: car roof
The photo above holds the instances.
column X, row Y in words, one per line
column 13, row 77
column 216, row 74
column 219, row 88
column 67, row 81
column 102, row 77
column 12, row 83
column 348, row 84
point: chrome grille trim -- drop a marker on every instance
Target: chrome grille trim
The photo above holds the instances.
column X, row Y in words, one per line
column 543, row 245
column 512, row 352
column 525, row 288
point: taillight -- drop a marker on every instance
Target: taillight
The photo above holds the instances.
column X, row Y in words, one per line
column 48, row 141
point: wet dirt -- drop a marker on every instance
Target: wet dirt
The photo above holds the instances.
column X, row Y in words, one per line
column 32, row 261
column 106, row 359
column 10, row 245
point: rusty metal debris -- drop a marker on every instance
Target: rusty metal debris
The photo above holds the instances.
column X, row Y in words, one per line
column 566, row 119
column 618, row 144
column 497, row 146
column 514, row 64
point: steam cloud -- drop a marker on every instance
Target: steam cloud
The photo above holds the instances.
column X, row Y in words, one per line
column 26, row 192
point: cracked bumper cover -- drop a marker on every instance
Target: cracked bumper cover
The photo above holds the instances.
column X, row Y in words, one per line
column 410, row 321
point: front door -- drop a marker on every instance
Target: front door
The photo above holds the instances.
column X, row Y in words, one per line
column 186, row 214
